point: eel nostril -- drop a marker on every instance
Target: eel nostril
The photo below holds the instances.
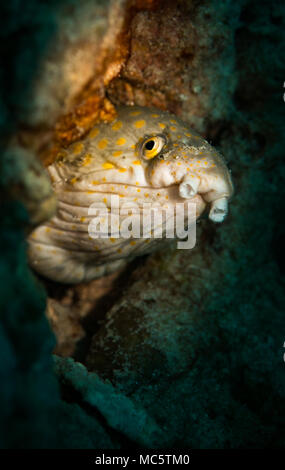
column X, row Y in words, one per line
column 189, row 186
column 186, row 190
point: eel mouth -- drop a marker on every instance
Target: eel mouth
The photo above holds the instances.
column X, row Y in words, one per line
column 75, row 199
column 74, row 203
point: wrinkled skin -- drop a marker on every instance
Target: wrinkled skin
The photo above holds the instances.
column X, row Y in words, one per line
column 117, row 159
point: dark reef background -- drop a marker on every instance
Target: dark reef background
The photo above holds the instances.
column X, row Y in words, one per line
column 189, row 350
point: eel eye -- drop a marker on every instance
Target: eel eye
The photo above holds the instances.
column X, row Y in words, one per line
column 152, row 147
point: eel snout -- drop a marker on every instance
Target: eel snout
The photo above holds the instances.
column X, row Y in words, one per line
column 209, row 179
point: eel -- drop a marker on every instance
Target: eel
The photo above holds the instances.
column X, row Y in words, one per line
column 144, row 163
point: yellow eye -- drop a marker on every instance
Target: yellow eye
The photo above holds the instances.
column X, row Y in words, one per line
column 152, row 146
